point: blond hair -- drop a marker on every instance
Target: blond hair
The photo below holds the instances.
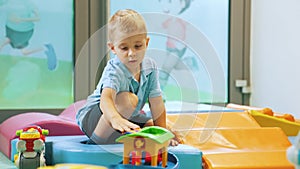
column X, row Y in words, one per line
column 126, row 21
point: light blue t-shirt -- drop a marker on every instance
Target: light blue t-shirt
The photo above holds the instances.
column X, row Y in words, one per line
column 118, row 77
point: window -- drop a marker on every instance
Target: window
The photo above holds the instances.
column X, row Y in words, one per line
column 190, row 41
column 36, row 54
column 68, row 26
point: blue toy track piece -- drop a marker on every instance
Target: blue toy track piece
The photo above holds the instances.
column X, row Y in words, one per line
column 51, row 56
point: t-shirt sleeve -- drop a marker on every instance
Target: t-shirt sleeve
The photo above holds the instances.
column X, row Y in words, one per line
column 111, row 78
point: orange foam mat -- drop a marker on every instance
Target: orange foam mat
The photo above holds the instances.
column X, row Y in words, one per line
column 232, row 140
column 240, row 148
column 237, row 140
column 211, row 120
column 248, row 160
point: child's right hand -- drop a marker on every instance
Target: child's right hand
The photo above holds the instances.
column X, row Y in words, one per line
column 123, row 125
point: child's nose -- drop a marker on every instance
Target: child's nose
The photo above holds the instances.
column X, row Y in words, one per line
column 131, row 52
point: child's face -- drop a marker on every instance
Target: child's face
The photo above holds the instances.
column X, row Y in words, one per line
column 172, row 7
column 130, row 50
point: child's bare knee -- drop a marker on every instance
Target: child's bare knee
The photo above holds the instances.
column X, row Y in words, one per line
column 127, row 98
column 126, row 102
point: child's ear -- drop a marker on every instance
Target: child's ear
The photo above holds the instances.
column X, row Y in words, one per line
column 147, row 41
column 111, row 47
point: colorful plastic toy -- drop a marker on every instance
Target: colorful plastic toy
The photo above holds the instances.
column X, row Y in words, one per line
column 293, row 152
column 31, row 147
column 151, row 140
column 131, row 131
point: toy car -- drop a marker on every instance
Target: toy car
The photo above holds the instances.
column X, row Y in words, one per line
column 31, row 147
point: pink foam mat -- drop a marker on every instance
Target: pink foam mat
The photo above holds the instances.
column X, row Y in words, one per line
column 58, row 125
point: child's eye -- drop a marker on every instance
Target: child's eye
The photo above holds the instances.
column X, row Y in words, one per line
column 124, row 48
column 138, row 46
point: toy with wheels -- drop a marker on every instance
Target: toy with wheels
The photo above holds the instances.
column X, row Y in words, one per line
column 31, row 147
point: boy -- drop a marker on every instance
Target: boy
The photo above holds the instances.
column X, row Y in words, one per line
column 127, row 82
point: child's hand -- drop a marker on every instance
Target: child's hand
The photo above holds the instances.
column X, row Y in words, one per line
column 174, row 142
column 177, row 139
column 123, row 125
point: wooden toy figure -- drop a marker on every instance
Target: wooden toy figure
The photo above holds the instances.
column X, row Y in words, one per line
column 31, row 147
column 151, row 140
column 293, row 152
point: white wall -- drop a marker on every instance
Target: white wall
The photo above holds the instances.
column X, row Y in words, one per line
column 275, row 55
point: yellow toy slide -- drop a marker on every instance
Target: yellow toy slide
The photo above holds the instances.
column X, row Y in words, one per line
column 285, row 121
column 267, row 118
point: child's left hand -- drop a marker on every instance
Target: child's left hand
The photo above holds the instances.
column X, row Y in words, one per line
column 177, row 139
column 174, row 142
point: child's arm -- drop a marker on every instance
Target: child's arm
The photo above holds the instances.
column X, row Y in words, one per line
column 158, row 111
column 110, row 113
